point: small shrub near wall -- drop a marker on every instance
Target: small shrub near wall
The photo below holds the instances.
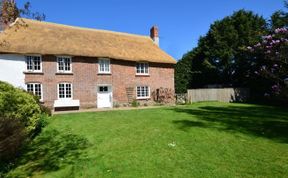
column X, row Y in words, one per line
column 164, row 96
column 135, row 103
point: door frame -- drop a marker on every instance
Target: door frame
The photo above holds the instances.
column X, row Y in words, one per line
column 111, row 92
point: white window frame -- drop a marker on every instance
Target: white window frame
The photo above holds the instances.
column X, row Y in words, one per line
column 33, row 70
column 99, row 68
column 65, row 91
column 33, row 92
column 64, row 71
column 143, row 97
column 144, row 73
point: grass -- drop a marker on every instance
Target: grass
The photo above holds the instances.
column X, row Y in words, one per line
column 201, row 140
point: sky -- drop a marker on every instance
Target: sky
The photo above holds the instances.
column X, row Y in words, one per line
column 180, row 22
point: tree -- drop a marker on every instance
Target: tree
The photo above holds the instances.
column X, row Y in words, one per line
column 270, row 64
column 279, row 19
column 219, row 59
column 9, row 12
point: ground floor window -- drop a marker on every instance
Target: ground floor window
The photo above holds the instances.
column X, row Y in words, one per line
column 64, row 90
column 35, row 88
column 143, row 92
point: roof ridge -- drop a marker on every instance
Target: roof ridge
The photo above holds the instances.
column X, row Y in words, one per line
column 81, row 28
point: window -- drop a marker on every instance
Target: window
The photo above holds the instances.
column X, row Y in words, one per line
column 103, row 89
column 143, row 92
column 142, row 68
column 64, row 90
column 104, row 66
column 35, row 88
column 64, row 64
column 33, row 63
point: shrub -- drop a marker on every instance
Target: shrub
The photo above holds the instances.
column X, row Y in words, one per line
column 116, row 105
column 45, row 110
column 135, row 103
column 12, row 136
column 42, row 122
column 163, row 95
column 18, row 104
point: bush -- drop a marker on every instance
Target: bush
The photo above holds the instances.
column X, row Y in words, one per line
column 163, row 95
column 42, row 122
column 12, row 136
column 45, row 110
column 135, row 103
column 18, row 104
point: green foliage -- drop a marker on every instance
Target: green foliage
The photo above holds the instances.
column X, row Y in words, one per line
column 11, row 139
column 18, row 104
column 182, row 75
column 279, row 19
column 45, row 110
column 219, row 59
column 135, row 103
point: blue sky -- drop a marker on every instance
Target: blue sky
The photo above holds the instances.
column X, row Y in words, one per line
column 180, row 22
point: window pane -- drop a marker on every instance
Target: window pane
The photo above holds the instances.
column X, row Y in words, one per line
column 60, row 64
column 106, row 89
column 146, row 68
column 30, row 88
column 38, row 90
column 67, row 64
column 36, row 61
column 61, row 91
column 29, row 63
column 68, row 91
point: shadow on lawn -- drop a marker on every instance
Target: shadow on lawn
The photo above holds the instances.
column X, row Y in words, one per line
column 262, row 121
column 50, row 151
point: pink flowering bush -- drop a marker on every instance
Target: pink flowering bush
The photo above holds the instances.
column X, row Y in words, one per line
column 270, row 63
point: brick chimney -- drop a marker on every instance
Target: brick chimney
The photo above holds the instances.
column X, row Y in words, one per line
column 154, row 35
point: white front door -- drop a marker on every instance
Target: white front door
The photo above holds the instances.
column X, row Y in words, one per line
column 104, row 96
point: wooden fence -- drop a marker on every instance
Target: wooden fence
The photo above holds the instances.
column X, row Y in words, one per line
column 218, row 94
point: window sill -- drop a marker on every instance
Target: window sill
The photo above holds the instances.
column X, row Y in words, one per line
column 103, row 73
column 31, row 72
column 64, row 73
column 144, row 98
column 142, row 75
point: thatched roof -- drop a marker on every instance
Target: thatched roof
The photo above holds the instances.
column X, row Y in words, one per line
column 33, row 37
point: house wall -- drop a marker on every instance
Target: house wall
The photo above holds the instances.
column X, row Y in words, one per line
column 85, row 79
column 12, row 68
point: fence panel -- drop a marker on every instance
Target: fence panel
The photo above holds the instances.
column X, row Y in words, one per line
column 218, row 94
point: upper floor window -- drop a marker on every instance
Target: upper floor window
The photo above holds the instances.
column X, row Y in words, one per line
column 104, row 66
column 33, row 63
column 64, row 64
column 35, row 88
column 64, row 90
column 143, row 92
column 142, row 68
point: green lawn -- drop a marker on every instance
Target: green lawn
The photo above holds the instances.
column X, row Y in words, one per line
column 202, row 140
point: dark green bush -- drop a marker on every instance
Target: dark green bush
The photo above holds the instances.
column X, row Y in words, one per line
column 12, row 136
column 135, row 103
column 18, row 104
column 45, row 110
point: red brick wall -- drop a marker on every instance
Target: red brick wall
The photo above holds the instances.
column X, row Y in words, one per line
column 85, row 79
